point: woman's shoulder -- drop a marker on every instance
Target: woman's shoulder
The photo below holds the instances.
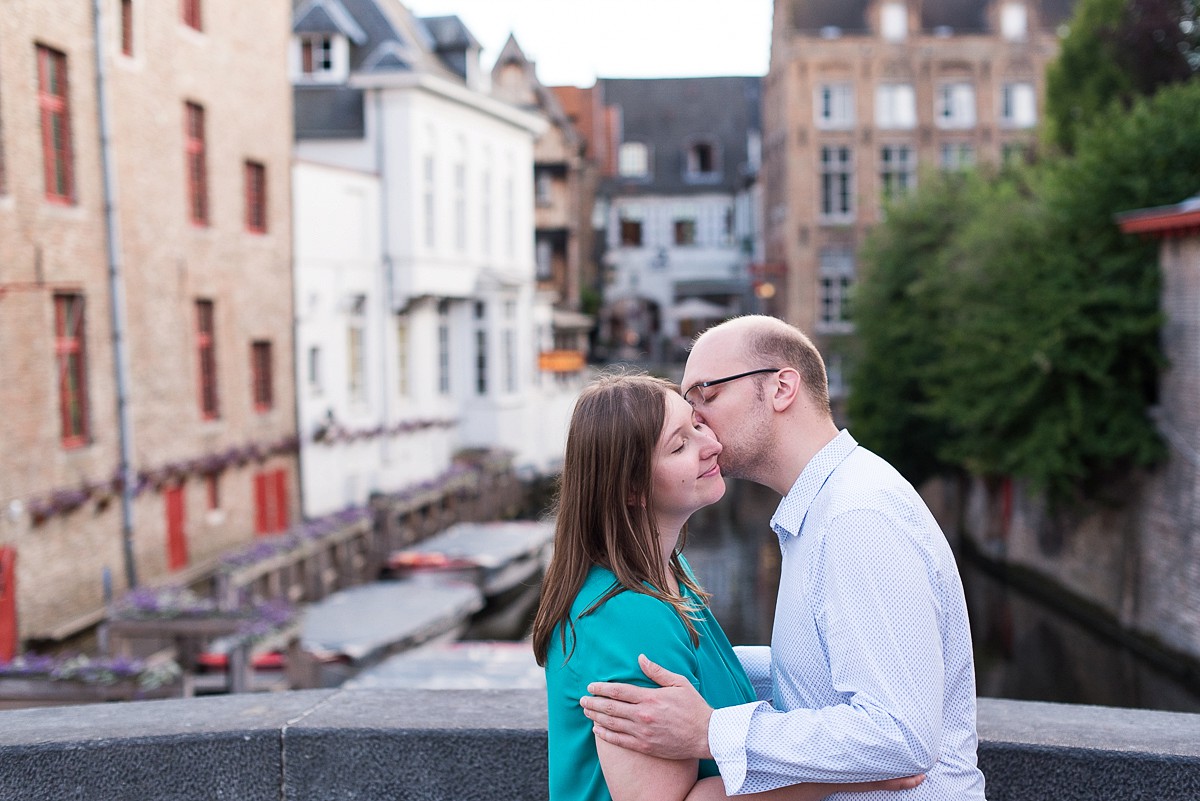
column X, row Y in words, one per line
column 620, row 603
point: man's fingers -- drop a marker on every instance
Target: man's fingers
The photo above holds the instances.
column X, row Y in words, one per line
column 620, row 692
column 659, row 674
column 618, row 739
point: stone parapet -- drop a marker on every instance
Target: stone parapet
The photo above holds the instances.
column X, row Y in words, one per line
column 483, row 745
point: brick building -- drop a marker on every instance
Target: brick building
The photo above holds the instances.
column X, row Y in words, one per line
column 198, row 114
column 863, row 95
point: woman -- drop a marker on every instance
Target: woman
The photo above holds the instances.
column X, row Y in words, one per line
column 637, row 466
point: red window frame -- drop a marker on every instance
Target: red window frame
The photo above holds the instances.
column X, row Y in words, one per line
column 8, row 603
column 206, row 349
column 256, row 197
column 190, row 11
column 197, row 168
column 261, row 375
column 270, row 501
column 54, row 109
column 127, row 27
column 70, row 355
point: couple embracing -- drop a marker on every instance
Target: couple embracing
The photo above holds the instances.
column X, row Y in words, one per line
column 868, row 685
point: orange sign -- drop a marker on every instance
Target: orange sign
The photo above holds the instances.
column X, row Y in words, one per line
column 560, row 361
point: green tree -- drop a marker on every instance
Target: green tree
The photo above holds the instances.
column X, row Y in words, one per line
column 1114, row 52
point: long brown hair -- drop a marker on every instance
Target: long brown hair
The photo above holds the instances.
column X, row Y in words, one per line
column 604, row 508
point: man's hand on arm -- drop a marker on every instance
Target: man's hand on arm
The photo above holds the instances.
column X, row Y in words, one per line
column 670, row 721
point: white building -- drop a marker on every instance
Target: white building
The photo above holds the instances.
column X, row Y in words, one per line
column 418, row 323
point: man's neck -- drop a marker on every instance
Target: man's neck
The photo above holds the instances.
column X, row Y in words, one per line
column 795, row 454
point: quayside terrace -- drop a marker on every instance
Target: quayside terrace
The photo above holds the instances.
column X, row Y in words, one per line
column 485, row 745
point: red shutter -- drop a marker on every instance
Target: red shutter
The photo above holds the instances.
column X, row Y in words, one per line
column 281, row 500
column 8, row 603
column 177, row 549
column 262, row 520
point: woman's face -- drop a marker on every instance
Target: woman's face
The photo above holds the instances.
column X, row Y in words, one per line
column 685, row 472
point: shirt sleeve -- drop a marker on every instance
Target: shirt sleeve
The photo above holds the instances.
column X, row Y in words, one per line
column 630, row 623
column 872, row 591
column 756, row 661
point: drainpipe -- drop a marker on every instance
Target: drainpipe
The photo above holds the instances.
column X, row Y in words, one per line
column 387, row 277
column 117, row 300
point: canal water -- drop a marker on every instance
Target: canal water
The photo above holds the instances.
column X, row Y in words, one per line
column 1023, row 650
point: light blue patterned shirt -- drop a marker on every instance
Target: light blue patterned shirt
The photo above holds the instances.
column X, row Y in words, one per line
column 869, row 674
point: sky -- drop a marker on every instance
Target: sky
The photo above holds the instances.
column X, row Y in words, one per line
column 575, row 41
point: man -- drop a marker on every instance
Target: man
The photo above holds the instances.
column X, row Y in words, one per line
column 869, row 673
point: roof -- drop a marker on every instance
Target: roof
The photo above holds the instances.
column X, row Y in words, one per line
column 327, row 16
column 328, row 112
column 1181, row 219
column 668, row 114
column 961, row 16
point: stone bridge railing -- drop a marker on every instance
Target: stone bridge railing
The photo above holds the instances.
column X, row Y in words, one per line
column 469, row 745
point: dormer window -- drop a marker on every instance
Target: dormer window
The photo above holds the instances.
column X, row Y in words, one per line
column 633, row 160
column 701, row 161
column 321, row 57
column 893, row 22
column 1014, row 21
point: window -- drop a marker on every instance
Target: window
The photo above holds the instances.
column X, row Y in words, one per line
column 631, row 232
column 893, row 22
column 212, row 491
column 1014, row 21
column 356, row 357
column 460, row 206
column 256, row 198
column 957, row 156
column 835, row 375
column 127, row 27
column 1018, row 105
column 542, row 183
column 260, row 368
column 633, row 160
column 316, row 55
column 54, row 107
column 270, row 501
column 443, row 335
column 895, row 106
column 1013, row 152
column 545, row 260
column 481, row 361
column 197, row 170
column 71, row 355
column 955, row 105
column 685, row 232
column 897, row 170
column 402, row 355
column 191, row 14
column 835, row 105
column 837, row 178
column 510, row 346
column 207, row 358
column 701, row 162
column 430, row 201
column 837, row 279
column 314, row 370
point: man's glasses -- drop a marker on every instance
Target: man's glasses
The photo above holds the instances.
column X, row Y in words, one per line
column 698, row 394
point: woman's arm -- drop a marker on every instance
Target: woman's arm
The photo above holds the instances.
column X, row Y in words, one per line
column 633, row 776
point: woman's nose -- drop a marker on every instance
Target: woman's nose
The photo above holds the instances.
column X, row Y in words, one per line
column 711, row 447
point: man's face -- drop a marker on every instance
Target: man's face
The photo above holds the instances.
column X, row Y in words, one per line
column 735, row 410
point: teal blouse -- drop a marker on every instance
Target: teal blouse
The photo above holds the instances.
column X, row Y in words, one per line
column 607, row 644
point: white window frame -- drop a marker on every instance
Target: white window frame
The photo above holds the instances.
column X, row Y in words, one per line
column 896, row 106
column 633, row 160
column 956, row 156
column 1014, row 22
column 1018, row 105
column 335, row 68
column 955, row 105
column 836, row 272
column 901, row 170
column 893, row 21
column 837, row 183
column 835, row 106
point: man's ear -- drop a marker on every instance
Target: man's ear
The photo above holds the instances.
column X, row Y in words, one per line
column 789, row 389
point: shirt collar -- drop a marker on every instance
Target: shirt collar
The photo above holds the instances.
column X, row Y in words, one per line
column 789, row 516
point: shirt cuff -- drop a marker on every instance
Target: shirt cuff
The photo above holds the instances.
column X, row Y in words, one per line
column 727, row 731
